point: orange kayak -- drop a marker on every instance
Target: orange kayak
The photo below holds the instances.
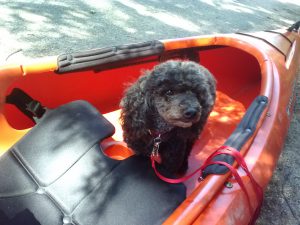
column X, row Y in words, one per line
column 248, row 67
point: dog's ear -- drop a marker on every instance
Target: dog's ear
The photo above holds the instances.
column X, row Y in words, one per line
column 136, row 104
column 135, row 94
column 210, row 84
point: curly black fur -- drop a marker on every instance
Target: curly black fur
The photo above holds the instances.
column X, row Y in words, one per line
column 174, row 99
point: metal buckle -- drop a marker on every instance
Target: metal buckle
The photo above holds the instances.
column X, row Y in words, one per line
column 156, row 144
column 35, row 108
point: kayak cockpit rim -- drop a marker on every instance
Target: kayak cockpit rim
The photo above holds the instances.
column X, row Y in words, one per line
column 203, row 194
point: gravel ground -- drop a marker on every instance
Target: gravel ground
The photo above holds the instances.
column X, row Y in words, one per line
column 42, row 28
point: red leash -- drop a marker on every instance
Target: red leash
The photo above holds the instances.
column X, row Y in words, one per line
column 241, row 162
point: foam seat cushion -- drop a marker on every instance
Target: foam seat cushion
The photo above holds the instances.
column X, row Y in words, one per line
column 58, row 174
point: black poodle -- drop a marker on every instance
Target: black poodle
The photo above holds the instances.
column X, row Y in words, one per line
column 168, row 106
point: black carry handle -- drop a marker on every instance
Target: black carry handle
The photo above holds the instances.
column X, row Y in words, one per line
column 294, row 27
column 103, row 58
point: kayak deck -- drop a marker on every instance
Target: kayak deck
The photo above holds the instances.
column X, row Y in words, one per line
column 238, row 78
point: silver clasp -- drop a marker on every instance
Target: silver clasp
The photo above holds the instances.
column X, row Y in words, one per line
column 156, row 144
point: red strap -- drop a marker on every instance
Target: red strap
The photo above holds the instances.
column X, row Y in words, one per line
column 257, row 188
column 170, row 180
column 237, row 178
column 241, row 162
column 182, row 179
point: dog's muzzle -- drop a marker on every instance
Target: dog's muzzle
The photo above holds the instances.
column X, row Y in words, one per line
column 190, row 113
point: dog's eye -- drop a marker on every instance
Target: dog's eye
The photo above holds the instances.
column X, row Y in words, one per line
column 169, row 92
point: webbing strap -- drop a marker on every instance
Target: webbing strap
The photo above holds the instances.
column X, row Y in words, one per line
column 182, row 179
column 26, row 104
column 172, row 180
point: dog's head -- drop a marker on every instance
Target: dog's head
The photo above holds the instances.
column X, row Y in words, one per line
column 181, row 92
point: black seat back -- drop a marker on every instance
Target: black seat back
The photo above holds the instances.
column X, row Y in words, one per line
column 57, row 174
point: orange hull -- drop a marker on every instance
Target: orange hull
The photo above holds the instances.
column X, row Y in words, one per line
column 245, row 66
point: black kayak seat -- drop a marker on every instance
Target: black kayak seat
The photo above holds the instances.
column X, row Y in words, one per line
column 58, row 174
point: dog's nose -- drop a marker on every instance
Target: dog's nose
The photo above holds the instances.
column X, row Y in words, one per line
column 190, row 113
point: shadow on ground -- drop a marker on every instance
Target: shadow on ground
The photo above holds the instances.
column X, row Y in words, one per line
column 52, row 27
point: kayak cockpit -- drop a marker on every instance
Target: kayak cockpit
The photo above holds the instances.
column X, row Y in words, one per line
column 238, row 76
column 241, row 74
